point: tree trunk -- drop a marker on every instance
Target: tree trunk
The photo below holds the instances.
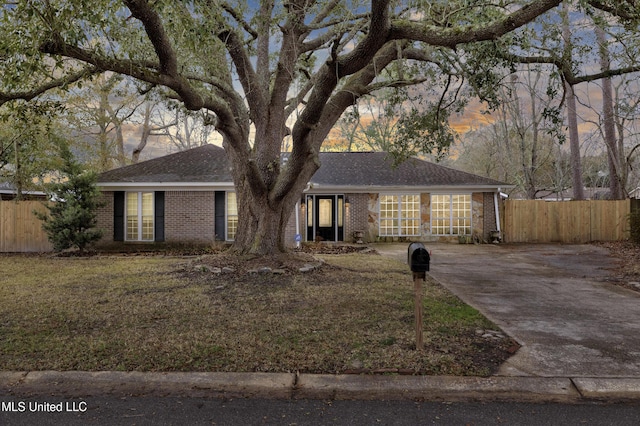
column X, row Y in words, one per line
column 144, row 137
column 18, row 170
column 265, row 204
column 262, row 222
column 261, row 227
column 572, row 115
column 574, row 145
column 613, row 157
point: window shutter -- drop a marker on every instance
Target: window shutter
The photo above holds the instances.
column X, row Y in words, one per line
column 220, row 223
column 118, row 216
column 158, row 219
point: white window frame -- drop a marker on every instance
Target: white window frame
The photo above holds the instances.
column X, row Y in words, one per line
column 399, row 221
column 230, row 216
column 139, row 217
column 451, row 218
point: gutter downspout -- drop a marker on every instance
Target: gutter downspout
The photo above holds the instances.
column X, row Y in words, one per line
column 497, row 210
column 297, row 223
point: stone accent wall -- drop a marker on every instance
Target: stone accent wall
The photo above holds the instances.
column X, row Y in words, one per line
column 189, row 217
column 425, row 214
column 373, row 217
column 480, row 226
column 477, row 215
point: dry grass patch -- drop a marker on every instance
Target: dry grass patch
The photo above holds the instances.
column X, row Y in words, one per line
column 354, row 314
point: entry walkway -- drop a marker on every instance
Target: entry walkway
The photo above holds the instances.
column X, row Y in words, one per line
column 555, row 300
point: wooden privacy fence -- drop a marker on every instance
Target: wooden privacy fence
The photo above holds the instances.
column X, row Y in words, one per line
column 20, row 229
column 537, row 221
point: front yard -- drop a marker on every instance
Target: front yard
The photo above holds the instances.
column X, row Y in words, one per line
column 160, row 313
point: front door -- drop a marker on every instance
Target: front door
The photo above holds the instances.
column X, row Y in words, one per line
column 325, row 218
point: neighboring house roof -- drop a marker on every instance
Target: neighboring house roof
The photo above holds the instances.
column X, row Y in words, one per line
column 208, row 166
column 7, row 189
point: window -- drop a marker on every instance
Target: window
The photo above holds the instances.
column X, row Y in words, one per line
column 139, row 216
column 399, row 215
column 232, row 215
column 451, row 214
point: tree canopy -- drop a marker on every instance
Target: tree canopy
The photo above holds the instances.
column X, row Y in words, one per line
column 264, row 71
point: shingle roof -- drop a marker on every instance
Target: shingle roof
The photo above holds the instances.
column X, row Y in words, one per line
column 206, row 163
column 376, row 169
column 209, row 163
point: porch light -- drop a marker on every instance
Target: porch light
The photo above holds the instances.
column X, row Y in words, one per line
column 347, row 203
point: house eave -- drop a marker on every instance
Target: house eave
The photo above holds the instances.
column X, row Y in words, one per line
column 321, row 189
column 165, row 186
column 314, row 188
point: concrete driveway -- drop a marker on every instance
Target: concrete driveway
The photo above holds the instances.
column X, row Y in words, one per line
column 555, row 300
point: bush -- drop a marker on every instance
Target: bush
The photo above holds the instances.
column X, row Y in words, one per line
column 634, row 223
column 71, row 220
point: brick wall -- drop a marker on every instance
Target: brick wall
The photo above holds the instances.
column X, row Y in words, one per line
column 489, row 216
column 357, row 217
column 290, row 231
column 189, row 216
column 104, row 215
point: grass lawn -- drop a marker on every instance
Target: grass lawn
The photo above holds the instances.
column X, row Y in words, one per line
column 158, row 313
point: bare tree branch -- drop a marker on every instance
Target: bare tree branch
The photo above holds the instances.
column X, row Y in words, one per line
column 37, row 91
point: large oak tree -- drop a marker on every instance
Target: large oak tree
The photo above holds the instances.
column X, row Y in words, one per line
column 263, row 70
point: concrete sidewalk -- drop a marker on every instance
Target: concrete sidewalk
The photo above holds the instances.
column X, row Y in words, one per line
column 580, row 338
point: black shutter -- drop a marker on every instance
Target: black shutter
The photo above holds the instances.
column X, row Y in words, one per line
column 118, row 216
column 220, row 201
column 158, row 220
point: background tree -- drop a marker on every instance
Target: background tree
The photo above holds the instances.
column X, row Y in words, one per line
column 572, row 41
column 183, row 129
column 516, row 145
column 27, row 144
column 253, row 66
column 71, row 218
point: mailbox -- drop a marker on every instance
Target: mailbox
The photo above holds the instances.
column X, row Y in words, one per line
column 418, row 257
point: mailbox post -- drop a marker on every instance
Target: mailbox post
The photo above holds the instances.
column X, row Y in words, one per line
column 418, row 259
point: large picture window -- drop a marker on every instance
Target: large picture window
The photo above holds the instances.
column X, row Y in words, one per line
column 139, row 216
column 451, row 214
column 400, row 215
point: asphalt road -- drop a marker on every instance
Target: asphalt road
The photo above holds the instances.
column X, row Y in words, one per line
column 198, row 411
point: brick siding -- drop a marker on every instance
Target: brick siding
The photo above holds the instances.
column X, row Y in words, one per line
column 104, row 216
column 189, row 217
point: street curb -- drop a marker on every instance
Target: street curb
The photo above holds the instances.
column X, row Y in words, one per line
column 603, row 388
column 76, row 384
column 213, row 385
column 435, row 388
